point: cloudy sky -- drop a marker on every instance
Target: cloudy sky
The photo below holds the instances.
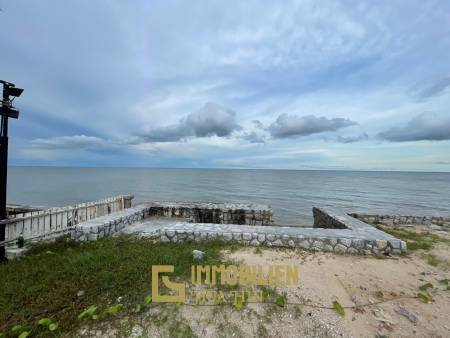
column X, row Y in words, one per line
column 231, row 84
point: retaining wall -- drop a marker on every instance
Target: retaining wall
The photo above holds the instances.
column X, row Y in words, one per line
column 218, row 213
column 400, row 220
column 109, row 224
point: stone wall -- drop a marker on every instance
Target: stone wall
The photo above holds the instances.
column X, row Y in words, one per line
column 334, row 230
column 403, row 220
column 323, row 219
column 109, row 224
column 218, row 213
column 314, row 239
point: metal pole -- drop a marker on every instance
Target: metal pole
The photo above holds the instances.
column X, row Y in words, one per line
column 3, row 168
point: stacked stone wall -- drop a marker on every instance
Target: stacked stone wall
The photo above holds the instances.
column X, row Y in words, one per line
column 218, row 213
column 390, row 220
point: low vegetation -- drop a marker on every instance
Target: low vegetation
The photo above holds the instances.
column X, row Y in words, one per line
column 415, row 240
column 64, row 280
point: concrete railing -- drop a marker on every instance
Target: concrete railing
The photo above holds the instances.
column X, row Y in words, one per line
column 54, row 221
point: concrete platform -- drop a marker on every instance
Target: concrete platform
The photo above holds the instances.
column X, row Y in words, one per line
column 355, row 241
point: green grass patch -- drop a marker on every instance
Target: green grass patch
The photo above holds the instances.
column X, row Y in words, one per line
column 434, row 260
column 414, row 240
column 45, row 282
column 180, row 329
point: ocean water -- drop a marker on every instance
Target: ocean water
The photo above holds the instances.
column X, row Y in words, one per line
column 291, row 193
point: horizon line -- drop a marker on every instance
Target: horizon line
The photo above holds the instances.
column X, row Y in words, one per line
column 227, row 168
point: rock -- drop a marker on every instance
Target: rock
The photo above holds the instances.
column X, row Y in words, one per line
column 318, row 245
column 246, row 236
column 254, row 242
column 304, row 244
column 352, row 251
column 270, row 237
column 227, row 236
column 355, row 300
column 345, row 241
column 80, row 293
column 327, row 248
column 339, row 248
column 278, row 242
column 136, row 331
column 198, row 255
column 404, row 312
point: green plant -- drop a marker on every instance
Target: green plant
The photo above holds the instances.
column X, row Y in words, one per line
column 20, row 241
column 180, row 330
column 113, row 310
column 45, row 322
column 444, row 281
column 425, row 287
column 48, row 324
column 339, row 308
column 239, row 302
column 147, row 300
column 424, row 298
column 53, row 327
column 414, row 240
column 88, row 312
column 281, row 300
column 379, row 294
column 137, row 308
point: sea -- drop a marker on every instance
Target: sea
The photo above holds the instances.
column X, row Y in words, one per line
column 291, row 193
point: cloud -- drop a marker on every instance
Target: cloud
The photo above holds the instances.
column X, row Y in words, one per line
column 69, row 142
column 210, row 120
column 425, row 126
column 352, row 139
column 253, row 137
column 288, row 126
column 433, row 89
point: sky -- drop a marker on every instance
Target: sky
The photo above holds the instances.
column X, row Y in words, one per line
column 338, row 85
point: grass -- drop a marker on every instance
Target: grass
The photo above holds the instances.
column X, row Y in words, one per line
column 415, row 240
column 45, row 282
column 434, row 260
column 180, row 329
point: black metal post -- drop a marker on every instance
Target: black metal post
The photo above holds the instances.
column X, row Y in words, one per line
column 9, row 89
column 3, row 167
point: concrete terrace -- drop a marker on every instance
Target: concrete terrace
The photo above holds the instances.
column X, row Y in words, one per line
column 177, row 222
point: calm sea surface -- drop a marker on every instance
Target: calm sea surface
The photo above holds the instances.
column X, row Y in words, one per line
column 291, row 193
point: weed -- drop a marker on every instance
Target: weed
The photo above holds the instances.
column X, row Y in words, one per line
column 434, row 260
column 444, row 281
column 379, row 294
column 180, row 329
column 414, row 240
column 425, row 287
column 339, row 309
column 424, row 298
